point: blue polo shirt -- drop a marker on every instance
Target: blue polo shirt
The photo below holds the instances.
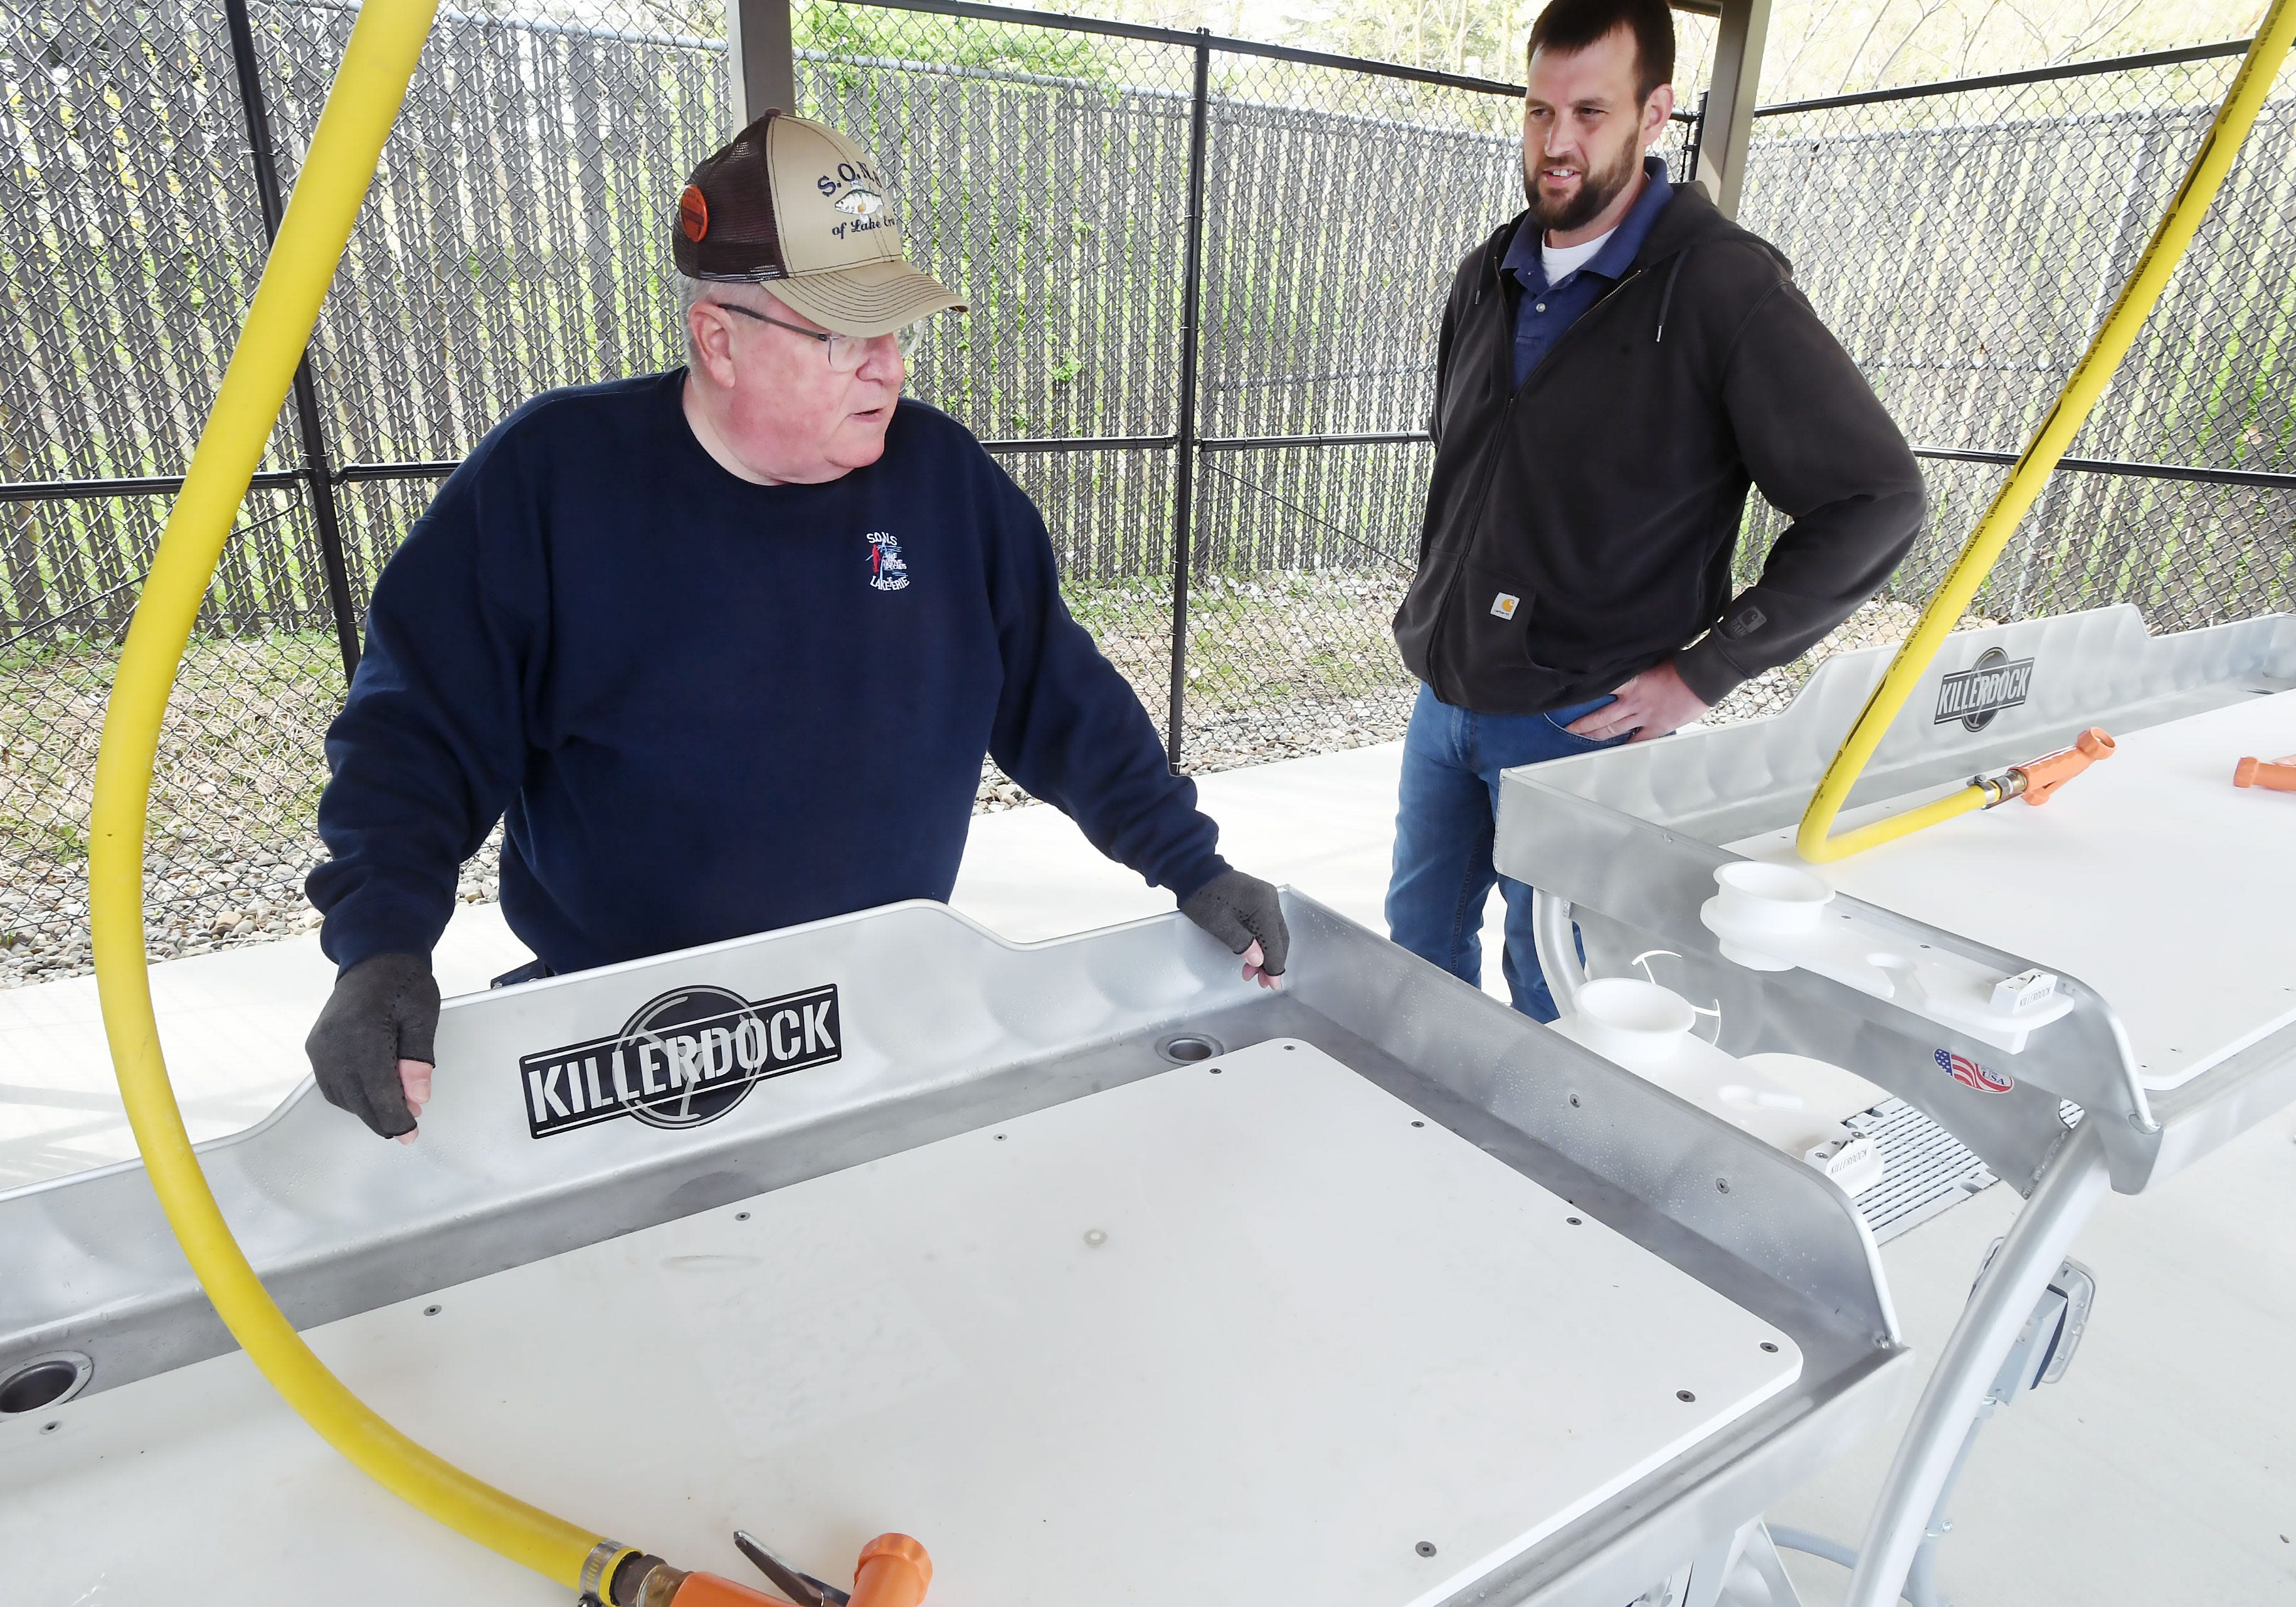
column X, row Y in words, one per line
column 1546, row 310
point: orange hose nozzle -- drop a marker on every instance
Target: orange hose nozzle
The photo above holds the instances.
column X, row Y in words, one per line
column 2274, row 774
column 2043, row 776
column 893, row 1572
column 708, row 1590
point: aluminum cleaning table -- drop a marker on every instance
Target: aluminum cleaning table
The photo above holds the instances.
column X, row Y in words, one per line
column 2155, row 891
column 2162, row 887
column 1390, row 1297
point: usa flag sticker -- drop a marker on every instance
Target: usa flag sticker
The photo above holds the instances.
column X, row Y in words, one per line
column 1970, row 1075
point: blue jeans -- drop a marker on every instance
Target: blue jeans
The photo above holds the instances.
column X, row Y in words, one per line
column 1443, row 828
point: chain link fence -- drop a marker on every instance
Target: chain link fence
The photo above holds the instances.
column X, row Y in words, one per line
column 1967, row 242
column 1204, row 280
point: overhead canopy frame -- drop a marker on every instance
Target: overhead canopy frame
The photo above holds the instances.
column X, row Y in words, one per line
column 1729, row 126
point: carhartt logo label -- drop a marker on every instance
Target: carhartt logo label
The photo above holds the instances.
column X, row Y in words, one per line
column 1974, row 695
column 1505, row 604
column 684, row 1058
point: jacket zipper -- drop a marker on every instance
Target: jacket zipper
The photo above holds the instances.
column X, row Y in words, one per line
column 1491, row 455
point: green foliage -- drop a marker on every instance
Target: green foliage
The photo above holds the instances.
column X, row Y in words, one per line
column 864, row 31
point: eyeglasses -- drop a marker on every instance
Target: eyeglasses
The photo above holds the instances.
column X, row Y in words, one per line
column 846, row 353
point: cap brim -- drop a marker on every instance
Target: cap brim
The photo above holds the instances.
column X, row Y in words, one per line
column 868, row 299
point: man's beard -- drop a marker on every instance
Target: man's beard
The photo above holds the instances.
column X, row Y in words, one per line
column 1595, row 190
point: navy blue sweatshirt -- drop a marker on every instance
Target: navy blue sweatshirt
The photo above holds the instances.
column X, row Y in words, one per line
column 704, row 708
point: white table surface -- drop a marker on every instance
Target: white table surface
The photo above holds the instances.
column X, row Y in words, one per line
column 2150, row 877
column 1238, row 1336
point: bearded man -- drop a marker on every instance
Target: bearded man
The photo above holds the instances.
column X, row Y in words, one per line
column 1618, row 365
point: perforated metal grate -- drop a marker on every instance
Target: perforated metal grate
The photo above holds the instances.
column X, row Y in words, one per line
column 1928, row 1170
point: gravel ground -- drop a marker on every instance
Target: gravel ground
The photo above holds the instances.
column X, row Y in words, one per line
column 1313, row 682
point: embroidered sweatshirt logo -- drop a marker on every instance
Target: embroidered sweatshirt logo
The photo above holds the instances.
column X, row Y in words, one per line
column 889, row 571
column 683, row 1059
column 1973, row 696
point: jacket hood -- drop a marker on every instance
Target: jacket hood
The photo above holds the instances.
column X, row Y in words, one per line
column 1690, row 219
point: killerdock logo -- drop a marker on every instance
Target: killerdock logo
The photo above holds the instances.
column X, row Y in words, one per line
column 683, row 1059
column 1973, row 696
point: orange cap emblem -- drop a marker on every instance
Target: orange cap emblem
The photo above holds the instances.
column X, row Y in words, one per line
column 694, row 213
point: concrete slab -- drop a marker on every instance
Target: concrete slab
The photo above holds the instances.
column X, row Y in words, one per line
column 2162, row 1467
column 232, row 1024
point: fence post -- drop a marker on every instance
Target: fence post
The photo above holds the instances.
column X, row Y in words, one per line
column 1697, row 136
column 1191, row 309
column 318, row 473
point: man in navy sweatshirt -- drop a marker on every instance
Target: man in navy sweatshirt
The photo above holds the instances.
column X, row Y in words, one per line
column 722, row 647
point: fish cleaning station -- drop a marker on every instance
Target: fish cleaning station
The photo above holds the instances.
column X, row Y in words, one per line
column 913, row 1256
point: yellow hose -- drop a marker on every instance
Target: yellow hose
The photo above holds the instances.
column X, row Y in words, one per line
column 385, row 46
column 2071, row 409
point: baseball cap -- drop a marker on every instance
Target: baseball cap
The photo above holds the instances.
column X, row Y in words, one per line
column 795, row 205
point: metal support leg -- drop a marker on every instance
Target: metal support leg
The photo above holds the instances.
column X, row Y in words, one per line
column 1556, row 940
column 1710, row 1571
column 1759, row 1557
column 2004, row 1298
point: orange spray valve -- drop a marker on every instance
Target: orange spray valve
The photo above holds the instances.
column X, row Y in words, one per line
column 2274, row 774
column 893, row 1572
column 2037, row 781
column 708, row 1590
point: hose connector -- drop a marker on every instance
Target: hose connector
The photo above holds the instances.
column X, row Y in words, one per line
column 2038, row 780
column 595, row 1586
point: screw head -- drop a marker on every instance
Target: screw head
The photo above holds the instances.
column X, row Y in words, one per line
column 432, row 1310
column 1573, row 1221
column 1772, row 1349
column 1425, row 1549
column 1721, row 1186
column 740, row 1216
column 1684, row 1395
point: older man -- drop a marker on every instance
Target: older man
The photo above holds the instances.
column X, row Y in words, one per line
column 722, row 647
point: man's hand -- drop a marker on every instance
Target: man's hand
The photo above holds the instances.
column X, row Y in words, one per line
column 1653, row 704
column 370, row 1047
column 1247, row 914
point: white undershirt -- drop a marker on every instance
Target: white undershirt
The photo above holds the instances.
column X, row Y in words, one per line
column 1561, row 261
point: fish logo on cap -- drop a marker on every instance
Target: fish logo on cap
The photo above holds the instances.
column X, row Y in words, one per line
column 861, row 202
